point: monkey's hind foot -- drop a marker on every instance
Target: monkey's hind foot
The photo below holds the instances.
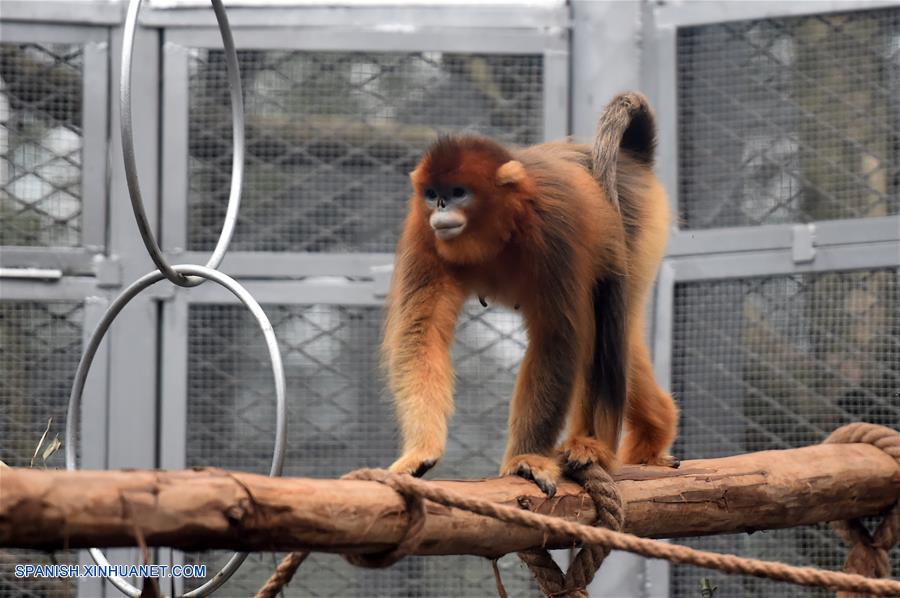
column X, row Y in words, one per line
column 413, row 464
column 580, row 451
column 638, row 457
column 666, row 461
column 543, row 471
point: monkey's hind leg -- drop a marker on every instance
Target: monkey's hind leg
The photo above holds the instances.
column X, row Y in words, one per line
column 583, row 447
column 596, row 428
column 651, row 415
column 543, row 390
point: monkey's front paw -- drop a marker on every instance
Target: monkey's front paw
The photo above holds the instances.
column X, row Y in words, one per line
column 543, row 471
column 581, row 451
column 415, row 464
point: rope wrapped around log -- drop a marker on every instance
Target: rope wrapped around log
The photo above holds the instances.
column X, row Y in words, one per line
column 610, row 514
column 868, row 555
column 869, row 552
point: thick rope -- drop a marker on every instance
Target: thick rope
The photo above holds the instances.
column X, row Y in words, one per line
column 869, row 552
column 884, row 438
column 610, row 514
column 414, row 508
column 283, row 574
column 729, row 563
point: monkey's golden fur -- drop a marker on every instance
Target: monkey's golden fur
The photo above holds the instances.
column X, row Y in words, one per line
column 540, row 233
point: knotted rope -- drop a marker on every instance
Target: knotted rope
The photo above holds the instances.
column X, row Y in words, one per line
column 868, row 553
column 413, row 506
column 415, row 520
column 610, row 514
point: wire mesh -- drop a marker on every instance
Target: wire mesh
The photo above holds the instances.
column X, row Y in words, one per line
column 39, row 347
column 331, row 137
column 789, row 119
column 340, row 419
column 779, row 362
column 40, row 144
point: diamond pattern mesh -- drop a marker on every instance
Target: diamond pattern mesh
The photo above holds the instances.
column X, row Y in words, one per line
column 40, row 344
column 331, row 137
column 340, row 419
column 789, row 119
column 780, row 362
column 40, row 144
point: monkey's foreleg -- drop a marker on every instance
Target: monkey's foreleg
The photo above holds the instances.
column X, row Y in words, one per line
column 540, row 402
column 424, row 402
column 417, row 347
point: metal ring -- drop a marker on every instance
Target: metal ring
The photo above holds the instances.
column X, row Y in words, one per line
column 237, row 162
column 84, row 367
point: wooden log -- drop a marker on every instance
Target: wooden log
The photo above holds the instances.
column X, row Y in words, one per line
column 210, row 508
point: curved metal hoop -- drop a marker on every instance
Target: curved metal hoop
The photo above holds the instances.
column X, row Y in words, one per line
column 84, row 367
column 237, row 162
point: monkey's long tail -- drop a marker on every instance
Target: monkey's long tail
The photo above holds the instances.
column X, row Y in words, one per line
column 626, row 123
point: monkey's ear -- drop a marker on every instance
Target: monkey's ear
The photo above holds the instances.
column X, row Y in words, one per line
column 510, row 173
column 415, row 174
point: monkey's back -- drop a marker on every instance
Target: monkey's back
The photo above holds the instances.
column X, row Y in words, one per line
column 643, row 214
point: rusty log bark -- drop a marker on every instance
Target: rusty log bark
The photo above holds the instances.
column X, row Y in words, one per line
column 211, row 508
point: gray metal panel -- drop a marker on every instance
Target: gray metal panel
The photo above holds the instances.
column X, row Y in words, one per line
column 91, row 12
column 605, row 58
column 94, row 408
column 712, row 11
column 332, row 291
column 92, row 196
column 506, row 41
column 260, row 264
column 95, row 121
column 660, row 77
column 132, row 339
column 780, row 236
column 13, row 32
column 94, row 420
column 759, row 263
column 656, row 572
column 605, row 61
column 656, row 578
column 396, row 18
column 556, row 92
column 73, row 261
column 173, row 383
column 68, row 288
column 729, row 253
column 865, row 230
column 662, row 342
column 173, row 235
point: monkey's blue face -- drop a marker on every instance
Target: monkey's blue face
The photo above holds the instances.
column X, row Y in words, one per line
column 447, row 202
column 446, row 196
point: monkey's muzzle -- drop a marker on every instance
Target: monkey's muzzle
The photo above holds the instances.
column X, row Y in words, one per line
column 447, row 225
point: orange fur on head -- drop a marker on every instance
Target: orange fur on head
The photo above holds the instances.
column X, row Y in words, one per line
column 494, row 210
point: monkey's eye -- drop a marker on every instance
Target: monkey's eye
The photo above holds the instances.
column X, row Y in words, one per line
column 431, row 194
column 459, row 192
